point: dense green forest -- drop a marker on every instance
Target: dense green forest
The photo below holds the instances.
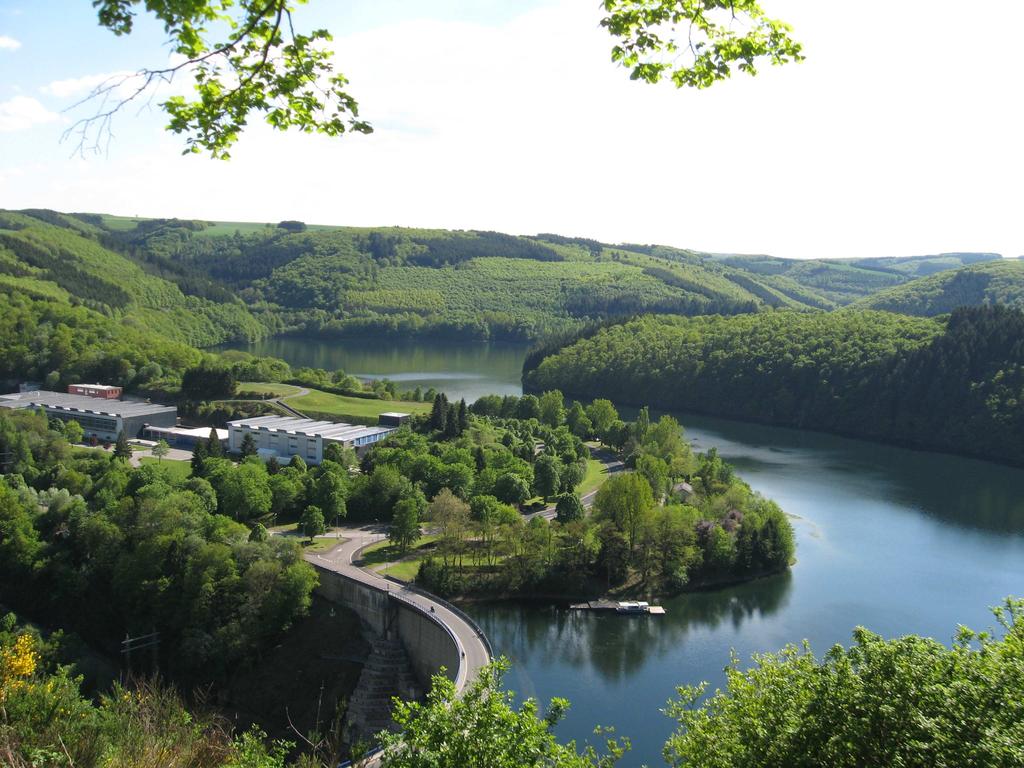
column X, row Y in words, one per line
column 100, row 547
column 203, row 283
column 62, row 258
column 952, row 385
column 651, row 532
column 56, row 343
column 989, row 283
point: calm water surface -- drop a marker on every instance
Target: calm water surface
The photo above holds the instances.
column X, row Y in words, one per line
column 894, row 540
column 898, row 541
column 459, row 369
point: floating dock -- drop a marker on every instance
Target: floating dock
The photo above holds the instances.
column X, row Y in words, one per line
column 629, row 607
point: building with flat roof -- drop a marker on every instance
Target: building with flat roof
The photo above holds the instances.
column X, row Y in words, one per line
column 105, row 391
column 184, row 437
column 392, row 418
column 100, row 418
column 287, row 436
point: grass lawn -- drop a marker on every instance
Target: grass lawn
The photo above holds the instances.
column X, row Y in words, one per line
column 383, row 551
column 266, row 388
column 384, row 558
column 322, row 543
column 356, row 409
column 406, row 570
column 326, row 405
column 177, row 471
column 594, row 477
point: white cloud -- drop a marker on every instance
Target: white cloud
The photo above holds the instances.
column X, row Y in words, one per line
column 76, row 87
column 526, row 126
column 9, row 43
column 22, row 112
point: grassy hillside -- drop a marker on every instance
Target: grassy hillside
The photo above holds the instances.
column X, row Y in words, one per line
column 993, row 282
column 52, row 256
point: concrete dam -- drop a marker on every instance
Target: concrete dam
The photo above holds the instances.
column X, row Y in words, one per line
column 413, row 634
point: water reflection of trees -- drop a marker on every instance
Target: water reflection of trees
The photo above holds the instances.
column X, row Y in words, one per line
column 950, row 489
column 617, row 646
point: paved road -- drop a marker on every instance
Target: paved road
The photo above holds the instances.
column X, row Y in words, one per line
column 611, row 466
column 280, row 401
column 175, row 454
column 474, row 646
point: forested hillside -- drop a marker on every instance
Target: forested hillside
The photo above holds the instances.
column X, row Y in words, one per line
column 203, row 283
column 96, row 545
column 844, row 281
column 476, row 284
column 994, row 282
column 53, row 342
column 46, row 255
column 347, row 281
column 954, row 386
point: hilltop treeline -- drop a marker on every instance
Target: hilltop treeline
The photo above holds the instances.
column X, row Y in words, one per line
column 954, row 386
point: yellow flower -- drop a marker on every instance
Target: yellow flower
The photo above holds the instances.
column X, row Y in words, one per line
column 17, row 663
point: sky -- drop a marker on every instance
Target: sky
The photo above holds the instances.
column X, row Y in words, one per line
column 899, row 135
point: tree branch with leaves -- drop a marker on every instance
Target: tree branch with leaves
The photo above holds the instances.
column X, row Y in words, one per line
column 246, row 58
column 695, row 43
column 261, row 65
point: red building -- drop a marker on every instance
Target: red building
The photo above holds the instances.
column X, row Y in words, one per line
column 104, row 391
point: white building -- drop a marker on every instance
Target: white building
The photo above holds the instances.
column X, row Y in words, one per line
column 99, row 418
column 185, row 437
column 286, row 436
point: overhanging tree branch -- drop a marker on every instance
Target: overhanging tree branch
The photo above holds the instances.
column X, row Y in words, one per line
column 256, row 70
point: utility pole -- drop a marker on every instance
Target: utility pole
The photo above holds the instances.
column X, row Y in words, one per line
column 140, row 643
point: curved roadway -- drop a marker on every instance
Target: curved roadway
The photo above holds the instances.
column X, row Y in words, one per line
column 611, row 463
column 473, row 647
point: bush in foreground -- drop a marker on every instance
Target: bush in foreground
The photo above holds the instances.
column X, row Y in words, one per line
column 909, row 702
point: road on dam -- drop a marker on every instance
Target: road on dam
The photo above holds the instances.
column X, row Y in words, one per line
column 474, row 650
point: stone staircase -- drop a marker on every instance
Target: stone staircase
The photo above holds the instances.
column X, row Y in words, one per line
column 386, row 674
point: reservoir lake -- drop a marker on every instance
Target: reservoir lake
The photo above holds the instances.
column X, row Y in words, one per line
column 459, row 369
column 895, row 540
